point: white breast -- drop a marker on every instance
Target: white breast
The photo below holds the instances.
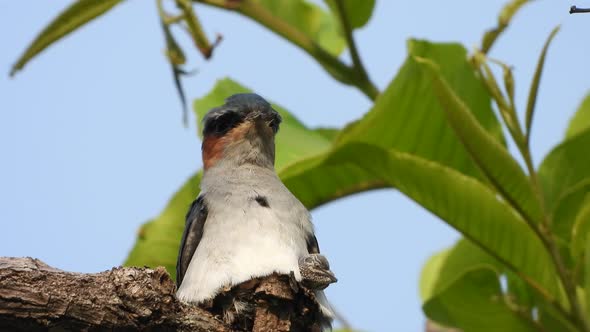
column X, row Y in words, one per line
column 243, row 239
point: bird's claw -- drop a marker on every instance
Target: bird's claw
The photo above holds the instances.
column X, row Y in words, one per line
column 315, row 272
column 293, row 282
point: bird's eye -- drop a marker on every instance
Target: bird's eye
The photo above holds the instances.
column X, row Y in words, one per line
column 223, row 123
column 274, row 125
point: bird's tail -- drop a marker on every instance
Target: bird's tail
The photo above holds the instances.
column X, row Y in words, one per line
column 327, row 313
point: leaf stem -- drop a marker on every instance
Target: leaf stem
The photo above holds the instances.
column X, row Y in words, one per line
column 336, row 68
column 357, row 64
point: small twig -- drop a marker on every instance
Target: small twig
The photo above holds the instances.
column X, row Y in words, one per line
column 575, row 10
column 173, row 19
column 356, row 59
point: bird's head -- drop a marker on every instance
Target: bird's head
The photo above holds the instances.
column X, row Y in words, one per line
column 240, row 131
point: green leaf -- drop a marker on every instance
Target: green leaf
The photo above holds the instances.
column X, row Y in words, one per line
column 328, row 133
column 314, row 181
column 408, row 117
column 581, row 231
column 566, row 165
column 519, row 292
column 402, row 120
column 492, row 158
column 553, row 320
column 465, row 204
column 474, row 302
column 358, row 11
column 532, row 100
column 431, row 273
column 445, row 267
column 509, row 10
column 78, row 14
column 581, row 120
column 313, row 21
column 567, row 209
column 587, row 274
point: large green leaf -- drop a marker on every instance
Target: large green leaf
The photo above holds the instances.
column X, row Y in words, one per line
column 445, row 267
column 310, row 19
column 474, row 302
column 315, row 181
column 553, row 320
column 78, row 14
column 587, row 276
column 493, row 158
column 465, row 204
column 328, row 133
column 358, row 11
column 566, row 165
column 407, row 115
column 581, row 120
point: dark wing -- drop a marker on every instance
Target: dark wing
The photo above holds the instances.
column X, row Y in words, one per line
column 193, row 231
column 312, row 244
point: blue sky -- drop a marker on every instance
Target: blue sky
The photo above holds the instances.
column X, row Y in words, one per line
column 92, row 143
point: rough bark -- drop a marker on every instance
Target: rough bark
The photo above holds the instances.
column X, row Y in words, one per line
column 35, row 296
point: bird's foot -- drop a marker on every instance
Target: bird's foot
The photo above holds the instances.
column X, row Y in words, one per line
column 315, row 271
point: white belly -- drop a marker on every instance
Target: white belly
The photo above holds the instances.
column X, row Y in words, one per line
column 239, row 244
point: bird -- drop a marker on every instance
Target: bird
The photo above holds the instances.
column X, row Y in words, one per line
column 245, row 223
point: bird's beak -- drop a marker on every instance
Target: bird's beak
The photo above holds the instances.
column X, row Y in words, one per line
column 265, row 125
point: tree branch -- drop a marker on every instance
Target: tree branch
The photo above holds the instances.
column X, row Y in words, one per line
column 37, row 297
column 575, row 10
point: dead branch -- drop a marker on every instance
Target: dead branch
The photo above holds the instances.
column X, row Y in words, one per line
column 35, row 296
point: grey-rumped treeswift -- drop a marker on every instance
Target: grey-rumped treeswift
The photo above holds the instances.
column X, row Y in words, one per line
column 245, row 223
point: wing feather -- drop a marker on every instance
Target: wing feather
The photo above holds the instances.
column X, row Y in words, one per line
column 193, row 232
column 312, row 244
